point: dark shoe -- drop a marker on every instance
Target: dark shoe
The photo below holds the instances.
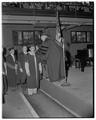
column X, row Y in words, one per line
column 24, row 83
column 65, row 84
column 3, row 100
column 18, row 83
column 82, row 70
column 25, row 92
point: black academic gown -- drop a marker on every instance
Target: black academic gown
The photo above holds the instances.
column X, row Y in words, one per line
column 22, row 76
column 33, row 79
column 55, row 61
column 54, row 55
column 11, row 72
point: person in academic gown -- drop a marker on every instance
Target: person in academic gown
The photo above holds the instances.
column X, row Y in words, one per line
column 4, row 75
column 54, row 57
column 11, row 68
column 32, row 72
column 68, row 59
column 22, row 59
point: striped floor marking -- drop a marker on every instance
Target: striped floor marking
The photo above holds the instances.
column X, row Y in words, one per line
column 69, row 110
column 32, row 111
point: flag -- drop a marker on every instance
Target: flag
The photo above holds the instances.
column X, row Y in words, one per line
column 58, row 28
column 59, row 38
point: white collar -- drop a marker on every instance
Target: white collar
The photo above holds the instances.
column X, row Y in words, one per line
column 32, row 53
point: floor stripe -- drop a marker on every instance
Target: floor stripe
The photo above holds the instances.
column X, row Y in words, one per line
column 69, row 110
column 34, row 114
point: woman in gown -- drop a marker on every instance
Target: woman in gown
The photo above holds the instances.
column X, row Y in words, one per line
column 5, row 82
column 22, row 59
column 32, row 72
column 11, row 69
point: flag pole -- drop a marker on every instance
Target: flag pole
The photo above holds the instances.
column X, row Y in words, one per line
column 64, row 58
column 58, row 24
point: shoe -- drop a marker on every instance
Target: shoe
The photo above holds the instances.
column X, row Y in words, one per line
column 24, row 83
column 30, row 91
column 35, row 90
column 25, row 92
column 3, row 99
column 56, row 83
column 65, row 84
column 18, row 84
column 47, row 79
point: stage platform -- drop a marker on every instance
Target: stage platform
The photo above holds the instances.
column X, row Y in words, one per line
column 76, row 97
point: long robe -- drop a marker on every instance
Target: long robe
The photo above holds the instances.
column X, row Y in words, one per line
column 55, row 62
column 33, row 79
column 11, row 72
column 22, row 77
column 5, row 82
column 54, row 55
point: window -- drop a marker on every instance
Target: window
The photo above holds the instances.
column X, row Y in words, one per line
column 74, row 37
column 19, row 38
column 88, row 36
column 26, row 37
column 81, row 37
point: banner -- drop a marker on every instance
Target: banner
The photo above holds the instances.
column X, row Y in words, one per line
column 58, row 28
column 59, row 38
